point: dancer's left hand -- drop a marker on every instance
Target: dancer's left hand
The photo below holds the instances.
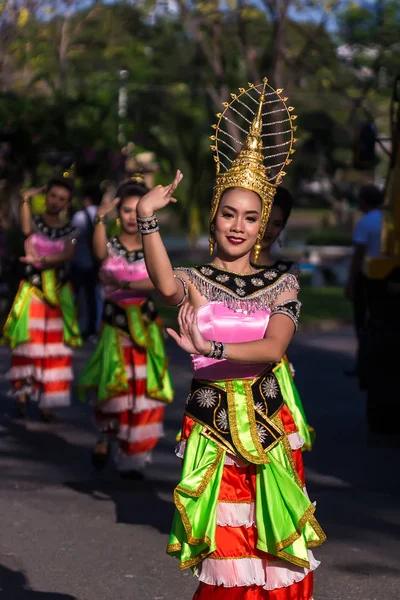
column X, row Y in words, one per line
column 189, row 337
column 31, row 256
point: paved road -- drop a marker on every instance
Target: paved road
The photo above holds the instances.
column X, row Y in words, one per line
column 70, row 534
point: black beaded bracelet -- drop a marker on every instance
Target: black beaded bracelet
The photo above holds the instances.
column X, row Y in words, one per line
column 218, row 351
column 147, row 225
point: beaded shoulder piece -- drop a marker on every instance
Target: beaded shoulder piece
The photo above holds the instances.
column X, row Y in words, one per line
column 55, row 233
column 256, row 291
column 118, row 250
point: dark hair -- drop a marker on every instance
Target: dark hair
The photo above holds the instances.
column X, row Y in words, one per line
column 64, row 182
column 93, row 192
column 370, row 196
column 284, row 199
column 130, row 189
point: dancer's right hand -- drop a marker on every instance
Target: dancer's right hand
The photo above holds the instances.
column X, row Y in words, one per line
column 108, row 201
column 158, row 197
column 32, row 192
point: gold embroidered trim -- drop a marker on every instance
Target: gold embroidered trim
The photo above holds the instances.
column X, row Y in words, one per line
column 262, row 458
column 185, row 519
column 289, row 452
column 206, row 479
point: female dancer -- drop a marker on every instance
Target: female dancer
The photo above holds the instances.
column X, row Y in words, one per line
column 243, row 521
column 42, row 328
column 280, row 213
column 128, row 370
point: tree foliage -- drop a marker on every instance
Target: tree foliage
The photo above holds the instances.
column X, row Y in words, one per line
column 60, row 65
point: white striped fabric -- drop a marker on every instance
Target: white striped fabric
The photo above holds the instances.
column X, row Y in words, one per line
column 270, row 575
column 140, row 433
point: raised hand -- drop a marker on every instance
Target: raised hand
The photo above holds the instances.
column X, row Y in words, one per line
column 31, row 192
column 108, row 202
column 189, row 337
column 158, row 197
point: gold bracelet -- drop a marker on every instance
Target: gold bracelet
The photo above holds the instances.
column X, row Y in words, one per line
column 100, row 220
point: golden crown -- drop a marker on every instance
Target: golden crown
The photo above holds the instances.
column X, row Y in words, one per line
column 137, row 178
column 242, row 159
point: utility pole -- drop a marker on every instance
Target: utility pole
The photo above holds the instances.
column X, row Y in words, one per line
column 122, row 105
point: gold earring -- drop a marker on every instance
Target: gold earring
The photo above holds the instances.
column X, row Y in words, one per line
column 257, row 249
column 211, row 243
column 118, row 222
column 280, row 243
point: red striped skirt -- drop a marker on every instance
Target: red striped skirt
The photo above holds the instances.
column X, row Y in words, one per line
column 42, row 367
column 237, row 570
column 134, row 418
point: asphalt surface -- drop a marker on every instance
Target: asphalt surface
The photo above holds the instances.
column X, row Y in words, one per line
column 67, row 533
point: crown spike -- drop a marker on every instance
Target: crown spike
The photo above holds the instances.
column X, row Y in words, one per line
column 242, row 90
column 218, row 115
column 215, row 126
column 226, row 104
column 213, row 138
column 293, row 117
column 265, row 80
column 279, row 91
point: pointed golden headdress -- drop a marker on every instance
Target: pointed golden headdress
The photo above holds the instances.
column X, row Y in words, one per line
column 249, row 163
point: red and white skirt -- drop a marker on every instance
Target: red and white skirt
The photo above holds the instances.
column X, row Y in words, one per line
column 42, row 367
column 237, row 570
column 134, row 418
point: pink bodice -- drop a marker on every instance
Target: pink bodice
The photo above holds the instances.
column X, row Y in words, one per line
column 222, row 324
column 123, row 270
column 44, row 246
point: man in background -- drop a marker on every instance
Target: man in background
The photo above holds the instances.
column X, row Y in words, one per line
column 84, row 265
column 366, row 244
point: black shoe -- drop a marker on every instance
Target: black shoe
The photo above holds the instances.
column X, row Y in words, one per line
column 100, row 459
column 21, row 410
column 132, row 475
column 47, row 416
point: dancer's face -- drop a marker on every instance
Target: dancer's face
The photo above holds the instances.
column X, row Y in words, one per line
column 57, row 199
column 237, row 222
column 127, row 214
column 275, row 225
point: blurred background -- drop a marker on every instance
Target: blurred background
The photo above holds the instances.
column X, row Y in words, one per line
column 112, row 86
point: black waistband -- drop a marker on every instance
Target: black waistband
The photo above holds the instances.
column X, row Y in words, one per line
column 208, row 404
column 34, row 276
column 115, row 315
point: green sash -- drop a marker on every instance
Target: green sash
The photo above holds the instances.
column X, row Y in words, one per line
column 16, row 328
column 293, row 401
column 105, row 371
column 286, row 526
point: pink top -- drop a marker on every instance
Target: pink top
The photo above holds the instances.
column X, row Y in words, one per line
column 218, row 322
column 121, row 269
column 44, row 246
